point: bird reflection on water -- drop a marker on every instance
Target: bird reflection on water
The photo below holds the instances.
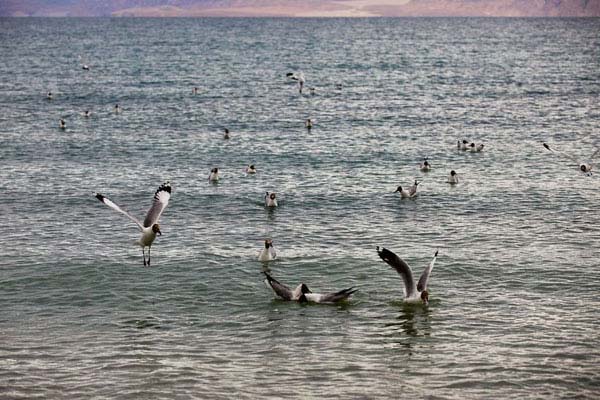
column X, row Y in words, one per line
column 414, row 320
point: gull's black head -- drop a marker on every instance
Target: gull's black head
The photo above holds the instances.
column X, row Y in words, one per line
column 398, row 189
column 156, row 229
column 453, row 172
column 425, row 297
column 304, row 289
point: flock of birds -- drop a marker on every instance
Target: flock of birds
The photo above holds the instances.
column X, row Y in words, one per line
column 414, row 291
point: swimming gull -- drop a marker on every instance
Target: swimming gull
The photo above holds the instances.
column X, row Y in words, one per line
column 303, row 294
column 413, row 292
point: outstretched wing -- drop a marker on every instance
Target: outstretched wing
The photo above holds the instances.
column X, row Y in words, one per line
column 563, row 154
column 280, row 289
column 115, row 207
column 161, row 199
column 413, row 189
column 331, row 297
column 422, row 285
column 401, row 267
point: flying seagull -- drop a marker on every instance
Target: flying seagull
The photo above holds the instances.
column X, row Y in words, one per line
column 585, row 167
column 150, row 225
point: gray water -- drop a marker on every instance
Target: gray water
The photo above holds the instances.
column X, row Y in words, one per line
column 514, row 294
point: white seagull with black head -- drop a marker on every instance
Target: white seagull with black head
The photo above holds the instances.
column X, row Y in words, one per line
column 270, row 200
column 413, row 292
column 150, row 225
column 268, row 253
column 411, row 192
column 584, row 167
column 303, row 294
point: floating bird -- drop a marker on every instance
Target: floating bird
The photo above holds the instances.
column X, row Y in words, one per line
column 150, row 225
column 475, row 149
column 425, row 166
column 308, row 123
column 463, row 145
column 195, row 90
column 268, row 253
column 214, row 175
column 87, row 113
column 84, row 65
column 270, row 199
column 226, row 134
column 62, row 124
column 453, row 178
column 118, row 109
column 413, row 292
column 251, row 169
column 303, row 294
column 312, row 91
column 411, row 192
column 49, row 96
column 584, row 167
column 299, row 77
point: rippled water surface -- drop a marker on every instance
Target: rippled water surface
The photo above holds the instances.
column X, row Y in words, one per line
column 514, row 294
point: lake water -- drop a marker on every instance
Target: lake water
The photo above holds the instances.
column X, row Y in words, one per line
column 514, row 294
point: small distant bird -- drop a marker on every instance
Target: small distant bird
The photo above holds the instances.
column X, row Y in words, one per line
column 87, row 113
column 584, row 167
column 84, row 65
column 62, row 124
column 226, row 134
column 149, row 227
column 312, row 91
column 303, row 294
column 413, row 292
column 251, row 169
column 118, row 109
column 425, row 166
column 463, row 145
column 49, row 96
column 308, row 123
column 195, row 90
column 475, row 149
column 411, row 192
column 270, row 200
column 268, row 253
column 214, row 175
column 453, row 178
column 299, row 77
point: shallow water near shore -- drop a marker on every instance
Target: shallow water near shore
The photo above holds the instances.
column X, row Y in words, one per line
column 514, row 294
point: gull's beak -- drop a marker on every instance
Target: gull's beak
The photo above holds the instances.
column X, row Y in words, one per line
column 159, row 232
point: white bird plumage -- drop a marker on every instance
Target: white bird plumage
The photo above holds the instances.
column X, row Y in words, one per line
column 268, row 252
column 149, row 227
column 299, row 77
column 411, row 192
column 214, row 175
column 453, row 178
column 584, row 167
column 414, row 292
column 303, row 294
column 270, row 200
